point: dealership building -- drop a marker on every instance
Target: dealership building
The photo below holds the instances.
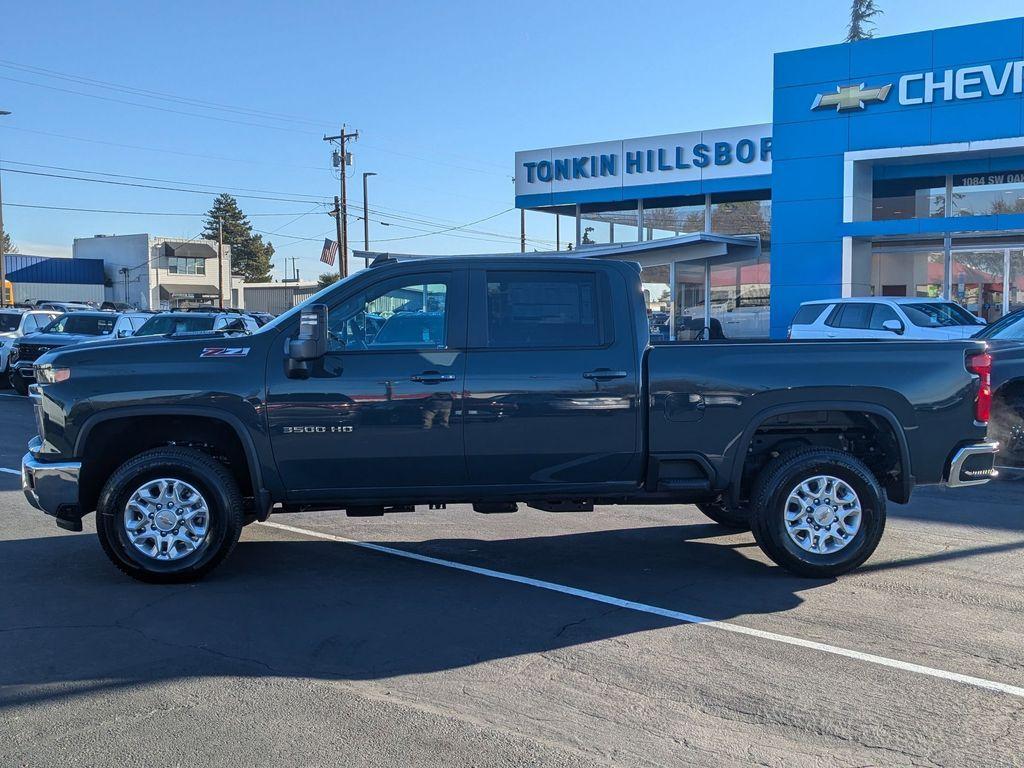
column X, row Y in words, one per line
column 891, row 167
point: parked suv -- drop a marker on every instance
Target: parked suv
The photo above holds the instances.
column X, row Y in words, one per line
column 880, row 317
column 177, row 323
column 15, row 323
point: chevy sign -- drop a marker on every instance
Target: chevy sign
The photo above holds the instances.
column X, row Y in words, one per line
column 963, row 83
column 696, row 156
column 928, row 87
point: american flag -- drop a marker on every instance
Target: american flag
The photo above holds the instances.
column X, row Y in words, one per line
column 329, row 252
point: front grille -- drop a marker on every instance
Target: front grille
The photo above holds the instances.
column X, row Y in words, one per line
column 32, row 351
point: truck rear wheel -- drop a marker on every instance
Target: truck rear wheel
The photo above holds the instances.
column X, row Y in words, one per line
column 817, row 512
column 169, row 515
column 733, row 518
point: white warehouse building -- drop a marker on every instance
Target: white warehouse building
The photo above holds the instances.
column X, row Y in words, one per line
column 152, row 272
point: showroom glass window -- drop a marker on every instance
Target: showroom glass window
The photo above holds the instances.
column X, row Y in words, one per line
column 673, row 216
column 604, row 223
column 916, row 198
column 988, row 194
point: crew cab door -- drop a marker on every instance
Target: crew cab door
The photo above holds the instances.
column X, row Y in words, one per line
column 553, row 379
column 382, row 409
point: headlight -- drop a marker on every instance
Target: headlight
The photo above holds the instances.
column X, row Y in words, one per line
column 47, row 374
column 14, row 355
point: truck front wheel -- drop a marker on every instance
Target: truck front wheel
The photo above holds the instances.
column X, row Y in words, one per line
column 169, row 515
column 817, row 512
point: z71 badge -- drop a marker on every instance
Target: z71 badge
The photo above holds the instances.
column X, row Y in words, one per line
column 224, row 352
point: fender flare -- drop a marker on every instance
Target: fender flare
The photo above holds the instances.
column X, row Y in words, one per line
column 736, row 473
column 248, row 446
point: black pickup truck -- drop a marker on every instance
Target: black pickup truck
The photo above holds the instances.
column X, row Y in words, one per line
column 495, row 381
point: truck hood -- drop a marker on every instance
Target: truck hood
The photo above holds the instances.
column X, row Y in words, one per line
column 57, row 339
column 142, row 349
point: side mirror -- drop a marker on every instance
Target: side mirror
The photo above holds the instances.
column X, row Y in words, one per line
column 894, row 326
column 310, row 343
column 124, row 332
column 981, row 320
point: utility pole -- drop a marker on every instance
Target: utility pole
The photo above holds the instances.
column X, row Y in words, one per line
column 342, row 163
column 338, row 226
column 558, row 236
column 522, row 230
column 3, row 262
column 220, row 260
column 366, row 218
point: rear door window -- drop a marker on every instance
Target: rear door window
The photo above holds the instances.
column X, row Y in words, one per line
column 880, row 314
column 853, row 315
column 547, row 309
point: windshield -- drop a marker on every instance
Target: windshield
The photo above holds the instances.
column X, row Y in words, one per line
column 9, row 322
column 86, row 325
column 1009, row 327
column 938, row 315
column 161, row 325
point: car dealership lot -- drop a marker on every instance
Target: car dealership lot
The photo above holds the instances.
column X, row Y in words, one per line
column 302, row 650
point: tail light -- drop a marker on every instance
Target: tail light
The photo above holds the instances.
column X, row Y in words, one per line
column 982, row 366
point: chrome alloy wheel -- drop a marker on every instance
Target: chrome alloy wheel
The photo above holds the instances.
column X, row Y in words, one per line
column 823, row 514
column 166, row 519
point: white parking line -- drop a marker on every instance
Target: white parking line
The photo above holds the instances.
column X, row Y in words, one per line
column 10, row 471
column 687, row 618
column 18, row 397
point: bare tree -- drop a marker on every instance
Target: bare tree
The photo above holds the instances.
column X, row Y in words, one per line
column 862, row 25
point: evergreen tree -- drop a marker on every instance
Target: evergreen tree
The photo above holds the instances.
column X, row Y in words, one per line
column 250, row 256
column 8, row 245
column 327, row 278
column 862, row 13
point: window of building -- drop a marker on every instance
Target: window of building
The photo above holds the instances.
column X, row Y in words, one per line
column 604, row 223
column 743, row 217
column 987, row 194
column 182, row 265
column 911, row 272
column 546, row 309
column 917, row 198
column 671, row 217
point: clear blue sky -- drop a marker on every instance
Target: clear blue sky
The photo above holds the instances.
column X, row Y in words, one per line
column 442, row 93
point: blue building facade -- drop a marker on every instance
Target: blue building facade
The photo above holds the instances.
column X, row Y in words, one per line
column 892, row 166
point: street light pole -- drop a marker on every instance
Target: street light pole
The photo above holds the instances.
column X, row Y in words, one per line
column 3, row 265
column 366, row 219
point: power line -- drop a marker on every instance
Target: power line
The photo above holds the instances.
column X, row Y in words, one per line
column 145, row 186
column 158, row 94
column 154, row 106
column 162, row 181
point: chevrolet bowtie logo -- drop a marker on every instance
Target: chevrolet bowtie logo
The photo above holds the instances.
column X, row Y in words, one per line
column 851, row 97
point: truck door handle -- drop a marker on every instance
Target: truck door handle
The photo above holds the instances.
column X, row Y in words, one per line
column 432, row 377
column 601, row 374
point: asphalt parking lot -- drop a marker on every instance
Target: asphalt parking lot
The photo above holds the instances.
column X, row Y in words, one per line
column 305, row 650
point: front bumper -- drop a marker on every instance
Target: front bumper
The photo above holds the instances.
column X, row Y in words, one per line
column 972, row 465
column 53, row 489
column 24, row 369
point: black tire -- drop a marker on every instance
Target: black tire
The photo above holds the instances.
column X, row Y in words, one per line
column 19, row 383
column 769, row 497
column 211, row 478
column 733, row 518
column 5, row 379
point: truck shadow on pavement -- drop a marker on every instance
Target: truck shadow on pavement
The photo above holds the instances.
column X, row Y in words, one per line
column 70, row 623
